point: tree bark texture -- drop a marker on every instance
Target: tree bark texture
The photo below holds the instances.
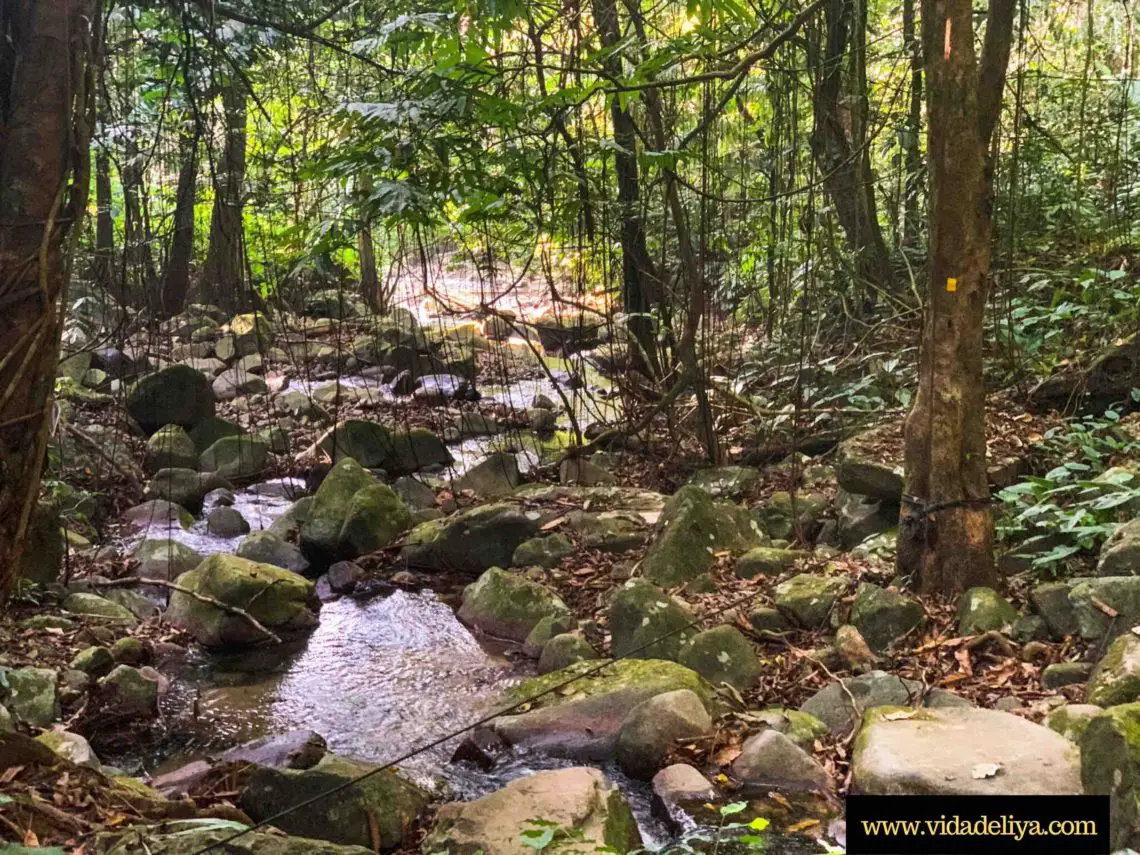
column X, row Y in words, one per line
column 945, row 527
column 837, row 57
column 224, row 272
column 45, row 121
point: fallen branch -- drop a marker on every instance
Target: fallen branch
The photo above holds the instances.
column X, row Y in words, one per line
column 202, row 598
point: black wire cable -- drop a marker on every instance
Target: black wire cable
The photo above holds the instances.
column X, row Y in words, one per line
column 347, row 785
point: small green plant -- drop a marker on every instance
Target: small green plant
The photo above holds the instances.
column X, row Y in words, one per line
column 1076, row 505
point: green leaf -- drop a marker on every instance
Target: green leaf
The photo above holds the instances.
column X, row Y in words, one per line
column 733, row 808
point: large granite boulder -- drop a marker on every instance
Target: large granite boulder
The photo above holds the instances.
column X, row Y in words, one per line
column 1116, row 678
column 722, row 655
column 692, row 529
column 381, row 809
column 508, row 605
column 283, row 602
column 584, row 724
column 184, row 487
column 647, row 623
column 578, row 802
column 902, row 751
column 170, row 447
column 471, row 541
column 235, row 457
column 177, row 395
column 352, row 514
column 1110, row 766
column 882, row 616
column 1120, row 553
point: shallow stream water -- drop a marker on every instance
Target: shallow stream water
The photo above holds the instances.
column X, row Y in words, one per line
column 377, row 678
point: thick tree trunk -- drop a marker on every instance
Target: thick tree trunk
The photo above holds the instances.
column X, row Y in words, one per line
column 641, row 286
column 223, row 275
column 839, row 139
column 945, row 527
column 176, row 272
column 45, row 86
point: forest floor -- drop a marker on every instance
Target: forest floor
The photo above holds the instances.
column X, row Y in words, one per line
column 992, row 669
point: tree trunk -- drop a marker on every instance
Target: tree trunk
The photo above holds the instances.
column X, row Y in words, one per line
column 138, row 264
column 945, row 526
column 45, row 121
column 223, row 274
column 104, row 272
column 912, row 157
column 641, row 287
column 839, row 139
column 176, row 273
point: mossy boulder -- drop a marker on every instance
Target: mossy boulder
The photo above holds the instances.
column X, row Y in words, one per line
column 810, row 598
column 579, row 802
column 177, row 395
column 984, row 609
column 1071, row 720
column 165, row 559
column 416, row 449
column 882, row 616
column 584, row 724
column 368, row 443
column 508, row 605
column 129, row 692
column 93, row 661
column 692, row 529
column 868, row 465
column 802, row 728
column 722, row 655
column 189, row 837
column 1088, row 596
column 321, row 531
column 725, row 482
column 769, row 760
column 71, row 747
column 1120, row 554
column 184, row 487
column 385, row 804
column 496, row 475
column 1110, row 766
column 608, row 531
column 1116, row 678
column 266, row 547
column 782, row 515
column 767, row 561
column 375, row 516
column 31, row 695
column 547, row 551
column 92, row 605
column 208, row 431
column 280, row 600
column 471, row 541
column 235, row 457
column 564, row 650
column 647, row 623
column 1051, row 602
column 170, row 447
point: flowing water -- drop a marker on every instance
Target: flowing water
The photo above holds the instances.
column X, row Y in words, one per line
column 377, row 678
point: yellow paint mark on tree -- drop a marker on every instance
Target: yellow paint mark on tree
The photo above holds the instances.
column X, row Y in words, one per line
column 951, row 284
